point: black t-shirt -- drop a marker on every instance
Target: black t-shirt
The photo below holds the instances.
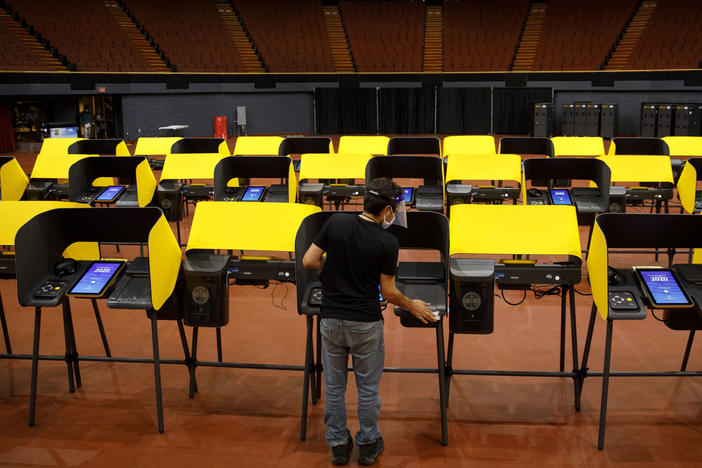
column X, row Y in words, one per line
column 358, row 251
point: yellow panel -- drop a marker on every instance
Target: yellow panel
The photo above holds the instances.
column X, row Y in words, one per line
column 82, row 251
column 53, row 167
column 376, row 145
column 57, row 146
column 687, row 187
column 247, row 225
column 514, row 229
column 578, row 146
column 597, row 262
column 224, row 149
column 122, row 149
column 257, row 145
column 164, row 262
column 626, row 168
column 146, row 183
column 148, row 146
column 15, row 213
column 469, row 144
column 13, row 181
column 190, row 166
column 325, row 166
column 684, row 145
column 484, row 167
column 292, row 183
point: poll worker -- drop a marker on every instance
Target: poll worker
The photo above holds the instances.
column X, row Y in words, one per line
column 361, row 256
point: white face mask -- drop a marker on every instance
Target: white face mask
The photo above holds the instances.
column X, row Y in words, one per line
column 387, row 224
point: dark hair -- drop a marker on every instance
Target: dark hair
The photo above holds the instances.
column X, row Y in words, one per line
column 386, row 190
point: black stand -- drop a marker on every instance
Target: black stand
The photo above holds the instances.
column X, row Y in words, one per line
column 5, row 333
column 574, row 374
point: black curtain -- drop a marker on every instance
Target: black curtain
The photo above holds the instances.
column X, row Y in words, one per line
column 7, row 131
column 406, row 110
column 464, row 110
column 345, row 111
column 510, row 107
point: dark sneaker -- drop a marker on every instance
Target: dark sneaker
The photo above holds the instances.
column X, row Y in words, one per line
column 342, row 453
column 368, row 453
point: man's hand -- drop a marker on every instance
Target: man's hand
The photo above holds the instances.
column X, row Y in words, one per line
column 422, row 312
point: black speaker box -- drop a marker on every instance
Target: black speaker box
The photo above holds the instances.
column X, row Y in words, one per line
column 472, row 303
column 665, row 120
column 609, row 114
column 568, row 120
column 592, row 120
column 541, row 119
column 649, row 121
column 687, row 120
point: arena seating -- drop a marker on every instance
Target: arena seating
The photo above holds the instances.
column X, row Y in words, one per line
column 672, row 38
column 16, row 54
column 292, row 36
column 85, row 31
column 481, row 35
column 191, row 33
column 578, row 35
column 385, row 36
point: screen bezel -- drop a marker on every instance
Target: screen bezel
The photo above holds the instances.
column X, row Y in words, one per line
column 106, row 286
column 649, row 294
column 567, row 192
column 250, row 187
column 411, row 194
column 115, row 197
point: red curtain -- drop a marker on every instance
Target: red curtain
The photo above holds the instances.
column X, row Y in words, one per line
column 7, row 134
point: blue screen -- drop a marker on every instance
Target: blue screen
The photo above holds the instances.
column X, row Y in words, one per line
column 110, row 193
column 95, row 279
column 408, row 194
column 663, row 287
column 252, row 194
column 560, row 197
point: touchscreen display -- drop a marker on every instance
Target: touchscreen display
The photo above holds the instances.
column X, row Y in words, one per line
column 560, row 197
column 110, row 193
column 296, row 165
column 252, row 194
column 380, row 297
column 664, row 287
column 98, row 276
column 408, row 194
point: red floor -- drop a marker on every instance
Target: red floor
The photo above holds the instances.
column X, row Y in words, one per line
column 252, row 417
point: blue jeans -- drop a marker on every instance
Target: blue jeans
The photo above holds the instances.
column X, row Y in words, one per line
column 365, row 341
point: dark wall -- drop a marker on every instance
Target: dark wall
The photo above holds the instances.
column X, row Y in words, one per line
column 265, row 113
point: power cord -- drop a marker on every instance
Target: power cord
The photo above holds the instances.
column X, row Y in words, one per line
column 282, row 305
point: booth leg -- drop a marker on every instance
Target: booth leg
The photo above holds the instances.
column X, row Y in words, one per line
column 157, row 371
column 688, row 348
column 72, row 336
column 442, row 379
column 35, row 366
column 561, row 365
column 307, row 376
column 449, row 367
column 318, row 367
column 219, row 344
column 586, row 353
column 186, row 351
column 605, row 385
column 178, row 233
column 574, row 345
column 5, row 332
column 69, row 349
column 103, row 337
column 194, row 356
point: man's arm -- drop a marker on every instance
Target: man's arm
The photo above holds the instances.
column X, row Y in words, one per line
column 314, row 258
column 416, row 307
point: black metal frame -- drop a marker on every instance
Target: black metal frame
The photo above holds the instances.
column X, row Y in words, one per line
column 652, row 230
column 569, row 290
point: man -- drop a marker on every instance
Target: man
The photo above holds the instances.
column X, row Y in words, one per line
column 86, row 121
column 360, row 257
